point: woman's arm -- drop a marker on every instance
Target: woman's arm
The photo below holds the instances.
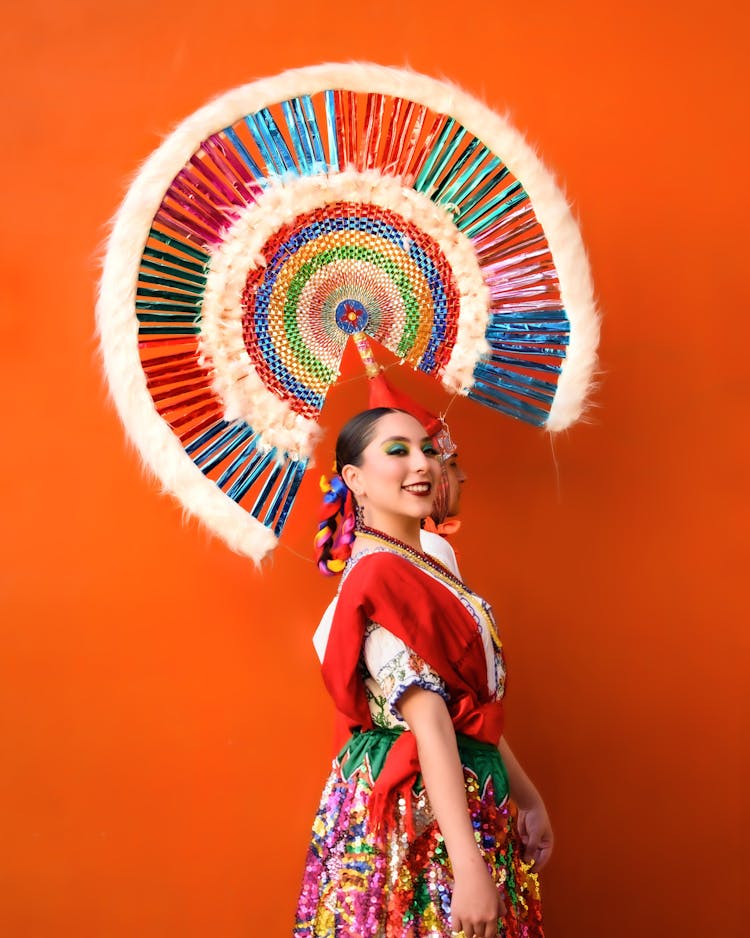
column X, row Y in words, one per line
column 477, row 904
column 522, row 790
column 534, row 825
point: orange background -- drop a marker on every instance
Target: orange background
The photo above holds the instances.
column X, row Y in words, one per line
column 165, row 730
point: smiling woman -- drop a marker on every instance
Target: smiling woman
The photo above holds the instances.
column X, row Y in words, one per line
column 415, row 834
column 394, row 479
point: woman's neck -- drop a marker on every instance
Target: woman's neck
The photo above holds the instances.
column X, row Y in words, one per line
column 397, row 526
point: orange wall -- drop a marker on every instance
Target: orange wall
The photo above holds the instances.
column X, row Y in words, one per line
column 165, row 730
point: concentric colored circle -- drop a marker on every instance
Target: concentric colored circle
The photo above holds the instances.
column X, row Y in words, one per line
column 340, row 269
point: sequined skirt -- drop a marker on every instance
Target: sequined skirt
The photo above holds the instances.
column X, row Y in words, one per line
column 359, row 884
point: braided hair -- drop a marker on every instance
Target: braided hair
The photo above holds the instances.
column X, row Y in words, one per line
column 335, row 535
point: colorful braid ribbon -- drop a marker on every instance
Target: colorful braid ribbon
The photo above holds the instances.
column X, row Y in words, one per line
column 334, row 538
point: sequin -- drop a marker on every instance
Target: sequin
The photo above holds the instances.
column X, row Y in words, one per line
column 359, row 883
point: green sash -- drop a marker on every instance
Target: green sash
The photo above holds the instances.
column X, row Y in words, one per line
column 373, row 746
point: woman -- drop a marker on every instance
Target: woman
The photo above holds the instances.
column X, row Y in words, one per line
column 415, row 835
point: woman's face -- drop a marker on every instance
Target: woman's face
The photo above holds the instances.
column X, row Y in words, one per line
column 398, row 474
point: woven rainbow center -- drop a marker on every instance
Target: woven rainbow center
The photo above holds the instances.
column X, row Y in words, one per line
column 340, row 269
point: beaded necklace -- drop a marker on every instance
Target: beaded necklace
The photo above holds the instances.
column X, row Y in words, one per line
column 422, row 559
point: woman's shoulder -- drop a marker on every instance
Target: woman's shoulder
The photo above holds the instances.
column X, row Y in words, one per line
column 359, row 556
column 377, row 566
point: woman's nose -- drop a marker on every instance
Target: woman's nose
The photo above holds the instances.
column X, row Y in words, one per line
column 420, row 460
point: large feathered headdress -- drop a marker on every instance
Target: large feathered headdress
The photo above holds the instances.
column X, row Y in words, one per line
column 293, row 213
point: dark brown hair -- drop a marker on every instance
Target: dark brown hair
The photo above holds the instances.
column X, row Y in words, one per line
column 356, row 435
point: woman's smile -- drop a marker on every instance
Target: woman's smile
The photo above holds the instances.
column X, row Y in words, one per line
column 422, row 489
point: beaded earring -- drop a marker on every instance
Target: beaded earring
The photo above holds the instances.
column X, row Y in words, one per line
column 359, row 517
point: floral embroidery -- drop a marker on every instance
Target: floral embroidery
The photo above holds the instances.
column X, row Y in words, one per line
column 390, row 669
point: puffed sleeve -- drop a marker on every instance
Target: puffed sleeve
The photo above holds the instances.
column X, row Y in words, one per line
column 395, row 667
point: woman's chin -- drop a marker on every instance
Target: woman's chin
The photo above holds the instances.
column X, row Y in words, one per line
column 396, row 521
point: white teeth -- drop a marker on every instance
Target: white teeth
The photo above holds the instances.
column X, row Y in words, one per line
column 419, row 488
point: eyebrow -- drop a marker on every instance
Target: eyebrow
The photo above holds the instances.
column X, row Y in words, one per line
column 405, row 439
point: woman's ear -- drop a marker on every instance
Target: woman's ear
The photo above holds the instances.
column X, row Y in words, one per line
column 352, row 479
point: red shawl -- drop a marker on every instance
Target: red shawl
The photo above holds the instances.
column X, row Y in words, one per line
column 428, row 617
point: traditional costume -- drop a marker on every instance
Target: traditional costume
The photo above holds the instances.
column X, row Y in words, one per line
column 274, row 224
column 377, row 866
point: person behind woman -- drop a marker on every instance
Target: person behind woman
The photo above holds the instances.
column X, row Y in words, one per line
column 415, row 834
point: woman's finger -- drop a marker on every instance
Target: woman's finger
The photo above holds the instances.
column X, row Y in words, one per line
column 545, row 852
column 487, row 929
column 532, row 848
column 521, row 826
column 458, row 926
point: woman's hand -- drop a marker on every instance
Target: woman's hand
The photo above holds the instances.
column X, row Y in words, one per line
column 534, row 827
column 477, row 904
column 535, row 831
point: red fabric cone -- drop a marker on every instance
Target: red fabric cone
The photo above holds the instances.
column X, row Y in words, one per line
column 383, row 394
